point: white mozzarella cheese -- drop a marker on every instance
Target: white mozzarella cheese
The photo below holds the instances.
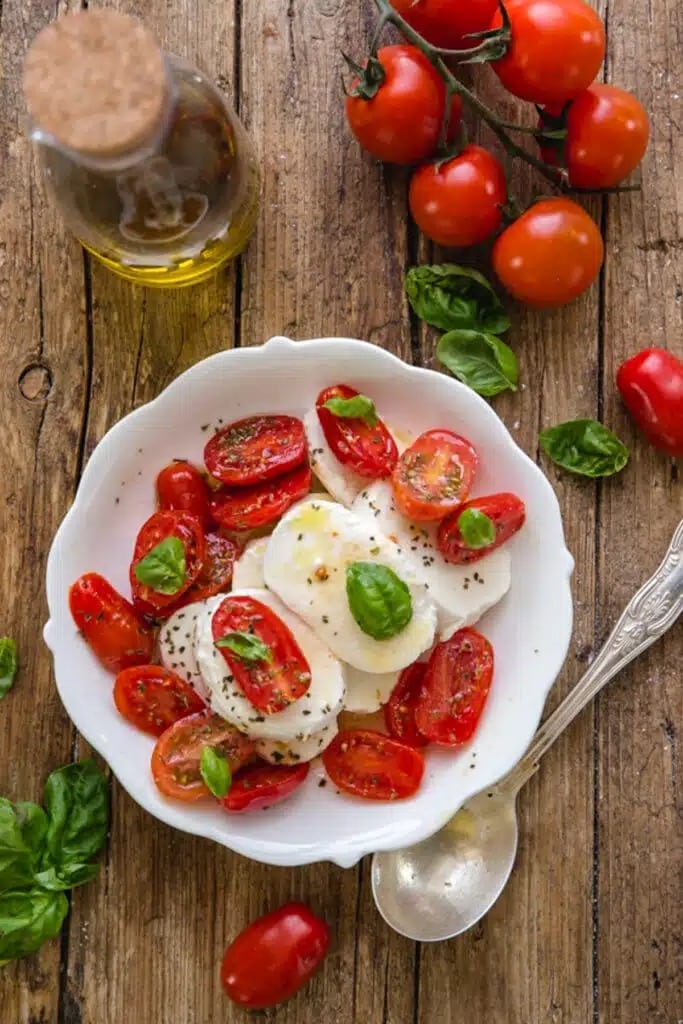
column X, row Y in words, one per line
column 295, row 751
column 367, row 691
column 248, row 569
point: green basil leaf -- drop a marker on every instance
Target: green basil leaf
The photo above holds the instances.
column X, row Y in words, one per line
column 77, row 805
column 482, row 361
column 23, row 828
column 476, row 529
column 246, row 646
column 67, row 877
column 453, row 298
column 215, row 771
column 8, row 664
column 163, row 568
column 28, row 918
column 379, row 600
column 585, row 447
column 360, row 407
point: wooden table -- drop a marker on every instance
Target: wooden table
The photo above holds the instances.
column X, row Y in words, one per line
column 589, row 928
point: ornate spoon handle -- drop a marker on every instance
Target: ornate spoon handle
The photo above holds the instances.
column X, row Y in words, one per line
column 649, row 614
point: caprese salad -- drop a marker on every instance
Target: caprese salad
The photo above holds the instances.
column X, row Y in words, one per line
column 312, row 567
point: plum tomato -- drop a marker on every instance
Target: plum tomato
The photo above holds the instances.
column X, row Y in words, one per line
column 177, row 754
column 506, row 514
column 399, row 711
column 109, row 624
column 181, row 487
column 153, row 698
column 255, row 449
column 366, row 448
column 158, row 577
column 373, row 766
column 434, row 475
column 261, row 785
column 248, row 508
column 455, row 688
column 651, row 386
column 448, row 23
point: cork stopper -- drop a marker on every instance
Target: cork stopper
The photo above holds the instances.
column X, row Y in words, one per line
column 96, row 81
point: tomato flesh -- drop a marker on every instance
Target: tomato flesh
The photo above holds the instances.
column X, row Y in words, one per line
column 274, row 957
column 271, row 685
column 216, row 574
column 161, row 525
column 176, row 756
column 109, row 624
column 448, row 23
column 181, row 487
column 373, row 766
column 248, row 508
column 651, row 386
column 255, row 449
column 153, row 698
column 434, row 475
column 399, row 711
column 507, row 513
column 370, row 452
column 455, row 688
column 261, row 785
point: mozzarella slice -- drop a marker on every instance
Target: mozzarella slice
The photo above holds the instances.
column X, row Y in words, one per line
column 461, row 593
column 176, row 645
column 248, row 569
column 316, row 710
column 295, row 751
column 367, row 691
column 340, row 481
column 305, row 565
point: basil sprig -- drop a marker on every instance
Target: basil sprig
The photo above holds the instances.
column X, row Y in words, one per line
column 482, row 361
column 585, row 447
column 163, row 568
column 8, row 664
column 379, row 600
column 476, row 529
column 215, row 771
column 359, row 407
column 44, row 852
column 245, row 646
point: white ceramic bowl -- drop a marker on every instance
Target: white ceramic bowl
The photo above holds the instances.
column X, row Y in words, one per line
column 530, row 629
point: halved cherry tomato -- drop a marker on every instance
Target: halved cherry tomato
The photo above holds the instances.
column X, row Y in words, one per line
column 274, row 957
column 270, row 684
column 178, row 751
column 216, row 574
column 455, row 687
column 109, row 624
column 373, row 766
column 434, row 475
column 247, row 508
column 459, row 202
column 556, row 50
column 187, row 528
column 448, row 23
column 181, row 487
column 369, row 451
column 153, row 697
column 400, row 123
column 255, row 449
column 651, row 385
column 506, row 512
column 262, row 785
column 399, row 711
column 550, row 255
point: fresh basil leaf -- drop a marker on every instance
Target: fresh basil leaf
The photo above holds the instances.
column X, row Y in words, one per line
column 215, row 771
column 482, row 361
column 246, row 646
column 476, row 529
column 163, row 568
column 360, row 407
column 77, row 805
column 22, row 834
column 453, row 297
column 28, row 918
column 67, row 877
column 379, row 600
column 8, row 664
column 585, row 447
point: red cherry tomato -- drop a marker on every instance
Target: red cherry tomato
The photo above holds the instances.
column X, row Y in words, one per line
column 550, row 255
column 182, row 488
column 216, row 574
column 651, row 385
column 455, row 687
column 271, row 682
column 556, row 50
column 247, row 508
column 401, row 122
column 459, row 202
column 158, row 528
column 262, row 785
column 399, row 711
column 506, row 512
column 255, row 449
column 178, row 751
column 434, row 475
column 274, row 957
column 153, row 698
column 448, row 23
column 109, row 624
column 371, row 765
column 369, row 451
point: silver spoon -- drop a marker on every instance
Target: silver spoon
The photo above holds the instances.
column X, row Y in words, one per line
column 442, row 886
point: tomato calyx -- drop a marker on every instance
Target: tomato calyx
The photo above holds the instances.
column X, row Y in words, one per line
column 367, row 79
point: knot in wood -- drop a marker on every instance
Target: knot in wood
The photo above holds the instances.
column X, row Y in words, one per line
column 35, row 382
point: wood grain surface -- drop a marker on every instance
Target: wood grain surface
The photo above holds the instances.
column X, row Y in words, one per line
column 589, row 929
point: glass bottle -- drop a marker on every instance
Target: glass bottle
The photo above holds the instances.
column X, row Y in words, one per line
column 151, row 168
